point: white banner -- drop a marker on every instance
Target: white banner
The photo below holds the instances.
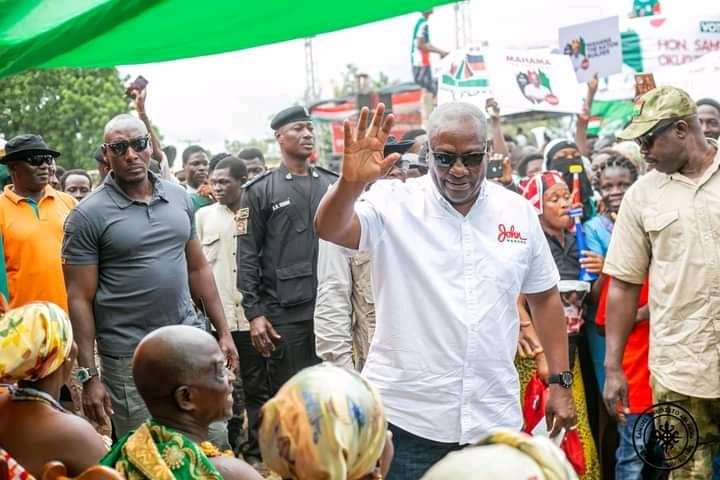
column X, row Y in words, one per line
column 593, row 47
column 463, row 77
column 651, row 43
column 525, row 80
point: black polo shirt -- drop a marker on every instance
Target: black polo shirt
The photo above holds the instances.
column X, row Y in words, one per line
column 566, row 257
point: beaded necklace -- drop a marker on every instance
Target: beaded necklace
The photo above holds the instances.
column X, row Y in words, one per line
column 33, row 395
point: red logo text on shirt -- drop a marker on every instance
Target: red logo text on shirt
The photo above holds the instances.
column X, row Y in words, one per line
column 510, row 234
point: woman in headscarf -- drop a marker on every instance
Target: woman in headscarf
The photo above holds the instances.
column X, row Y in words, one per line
column 559, row 155
column 326, row 423
column 550, row 196
column 36, row 358
column 507, row 455
column 616, row 176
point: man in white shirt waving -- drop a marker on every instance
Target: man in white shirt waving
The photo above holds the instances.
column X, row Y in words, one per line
column 450, row 253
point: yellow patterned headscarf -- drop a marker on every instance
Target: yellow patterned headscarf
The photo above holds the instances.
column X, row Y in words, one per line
column 35, row 340
column 505, row 454
column 325, row 423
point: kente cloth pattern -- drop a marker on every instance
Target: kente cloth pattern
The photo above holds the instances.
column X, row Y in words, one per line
column 35, row 340
column 155, row 452
column 15, row 470
column 326, row 423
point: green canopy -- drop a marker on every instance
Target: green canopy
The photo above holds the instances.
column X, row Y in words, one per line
column 106, row 33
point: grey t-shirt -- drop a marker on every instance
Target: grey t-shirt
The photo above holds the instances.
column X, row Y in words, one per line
column 140, row 253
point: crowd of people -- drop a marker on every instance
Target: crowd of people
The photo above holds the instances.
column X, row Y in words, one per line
column 403, row 318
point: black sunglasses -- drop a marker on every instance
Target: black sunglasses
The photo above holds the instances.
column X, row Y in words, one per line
column 137, row 144
column 39, row 159
column 447, row 160
column 646, row 141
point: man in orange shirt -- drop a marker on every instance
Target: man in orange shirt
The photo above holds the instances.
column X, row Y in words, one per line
column 32, row 214
column 635, row 365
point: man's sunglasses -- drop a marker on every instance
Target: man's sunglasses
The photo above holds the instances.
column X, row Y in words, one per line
column 646, row 141
column 447, row 160
column 121, row 148
column 39, row 159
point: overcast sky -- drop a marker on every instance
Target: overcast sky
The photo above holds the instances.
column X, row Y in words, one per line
column 233, row 95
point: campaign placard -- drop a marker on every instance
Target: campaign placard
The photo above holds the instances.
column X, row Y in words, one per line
column 594, row 48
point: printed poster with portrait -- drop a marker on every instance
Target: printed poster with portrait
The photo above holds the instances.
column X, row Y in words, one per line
column 593, row 48
column 529, row 80
column 463, row 76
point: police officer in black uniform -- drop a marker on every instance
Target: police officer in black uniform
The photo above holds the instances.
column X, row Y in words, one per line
column 277, row 262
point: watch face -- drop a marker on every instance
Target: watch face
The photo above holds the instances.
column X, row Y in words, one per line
column 82, row 375
column 567, row 378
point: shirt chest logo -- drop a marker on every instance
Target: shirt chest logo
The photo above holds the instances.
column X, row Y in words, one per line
column 510, row 234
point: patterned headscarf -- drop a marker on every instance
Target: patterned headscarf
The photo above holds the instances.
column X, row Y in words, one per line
column 534, row 188
column 505, row 454
column 325, row 422
column 35, row 340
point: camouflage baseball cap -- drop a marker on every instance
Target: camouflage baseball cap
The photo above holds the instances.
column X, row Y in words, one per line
column 656, row 105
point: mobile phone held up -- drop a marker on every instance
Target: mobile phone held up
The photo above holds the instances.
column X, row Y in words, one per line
column 138, row 85
column 494, row 169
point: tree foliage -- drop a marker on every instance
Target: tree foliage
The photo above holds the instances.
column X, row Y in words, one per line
column 68, row 107
column 348, row 81
column 235, row 146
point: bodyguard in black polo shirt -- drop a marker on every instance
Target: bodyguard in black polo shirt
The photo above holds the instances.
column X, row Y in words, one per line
column 277, row 255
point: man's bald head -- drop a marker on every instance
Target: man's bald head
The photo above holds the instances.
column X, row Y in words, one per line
column 171, row 357
column 124, row 123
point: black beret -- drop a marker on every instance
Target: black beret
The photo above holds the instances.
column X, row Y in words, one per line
column 297, row 113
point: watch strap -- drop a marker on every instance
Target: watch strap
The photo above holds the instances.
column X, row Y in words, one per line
column 84, row 374
column 559, row 378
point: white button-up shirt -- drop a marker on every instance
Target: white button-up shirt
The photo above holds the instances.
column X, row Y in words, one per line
column 216, row 227
column 446, row 287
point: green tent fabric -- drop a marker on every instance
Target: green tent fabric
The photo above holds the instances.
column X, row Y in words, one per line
column 106, row 33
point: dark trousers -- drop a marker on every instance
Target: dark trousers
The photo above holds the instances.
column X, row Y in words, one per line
column 415, row 455
column 423, row 77
column 263, row 377
column 255, row 387
column 293, row 352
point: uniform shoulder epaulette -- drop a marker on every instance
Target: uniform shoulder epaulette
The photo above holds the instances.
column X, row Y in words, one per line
column 327, row 170
column 257, row 178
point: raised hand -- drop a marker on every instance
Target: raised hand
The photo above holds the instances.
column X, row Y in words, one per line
column 363, row 161
column 139, row 100
column 493, row 109
column 593, row 84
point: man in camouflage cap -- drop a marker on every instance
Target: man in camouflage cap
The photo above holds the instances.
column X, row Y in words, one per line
column 667, row 227
column 654, row 114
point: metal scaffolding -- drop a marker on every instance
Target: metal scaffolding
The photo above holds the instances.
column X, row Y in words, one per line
column 463, row 24
column 312, row 87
